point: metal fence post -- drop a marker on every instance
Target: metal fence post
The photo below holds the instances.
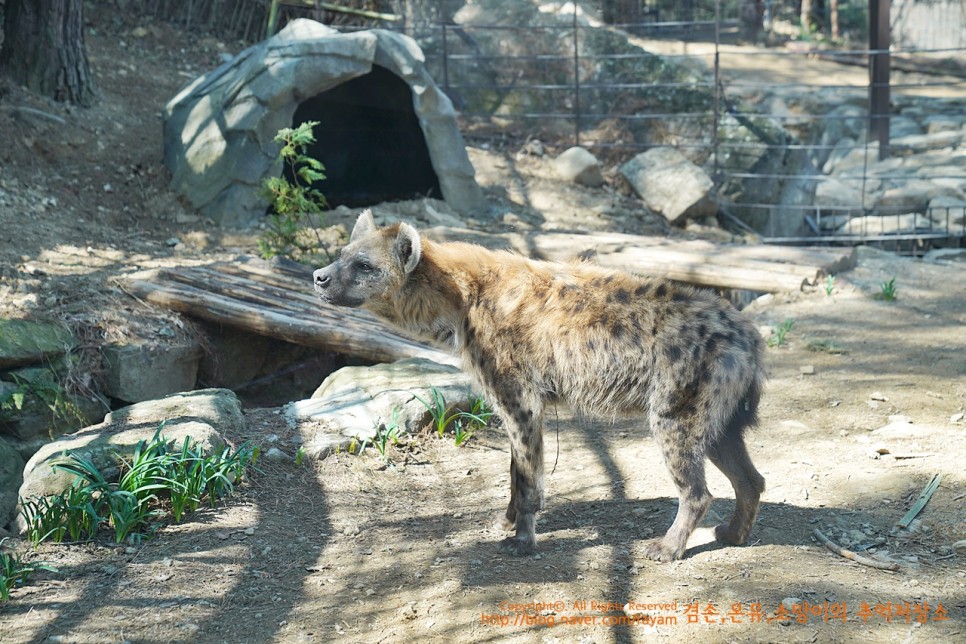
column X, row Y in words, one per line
column 576, row 80
column 879, row 64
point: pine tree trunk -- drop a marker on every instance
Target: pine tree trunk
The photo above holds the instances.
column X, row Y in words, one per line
column 43, row 49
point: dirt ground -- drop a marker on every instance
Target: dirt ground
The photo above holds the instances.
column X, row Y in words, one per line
column 352, row 549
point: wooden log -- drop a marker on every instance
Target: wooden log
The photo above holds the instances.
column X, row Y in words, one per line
column 754, row 267
column 350, row 331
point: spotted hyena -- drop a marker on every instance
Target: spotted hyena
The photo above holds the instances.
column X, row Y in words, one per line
column 606, row 342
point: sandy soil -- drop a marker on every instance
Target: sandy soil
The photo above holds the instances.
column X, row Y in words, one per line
column 353, row 549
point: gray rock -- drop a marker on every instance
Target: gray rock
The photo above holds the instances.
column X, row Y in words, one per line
column 839, row 193
column 205, row 415
column 670, row 185
column 913, row 195
column 578, row 165
column 136, row 372
column 900, row 126
column 886, row 225
column 942, row 123
column 219, row 408
column 226, row 120
column 947, row 210
column 934, row 141
column 47, row 410
column 11, row 476
column 24, row 342
column 354, row 401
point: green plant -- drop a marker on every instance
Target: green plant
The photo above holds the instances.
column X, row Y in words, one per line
column 43, row 387
column 388, row 434
column 829, row 285
column 300, row 455
column 294, row 204
column 13, row 571
column 778, row 337
column 470, row 421
column 887, row 291
column 155, row 473
column 73, row 515
column 438, row 410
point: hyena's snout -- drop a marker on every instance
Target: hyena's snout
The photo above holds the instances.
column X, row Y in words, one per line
column 323, row 280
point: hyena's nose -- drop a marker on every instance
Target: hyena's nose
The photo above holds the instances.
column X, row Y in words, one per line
column 322, row 279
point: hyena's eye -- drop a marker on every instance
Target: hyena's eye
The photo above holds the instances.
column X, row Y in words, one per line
column 364, row 266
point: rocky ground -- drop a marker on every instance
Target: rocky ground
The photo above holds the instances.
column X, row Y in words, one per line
column 864, row 405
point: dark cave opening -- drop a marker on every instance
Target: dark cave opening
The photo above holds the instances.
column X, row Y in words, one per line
column 370, row 142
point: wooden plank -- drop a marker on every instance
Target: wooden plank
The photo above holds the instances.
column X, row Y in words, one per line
column 753, row 267
column 350, row 331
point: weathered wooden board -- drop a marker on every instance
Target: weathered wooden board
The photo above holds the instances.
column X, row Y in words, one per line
column 277, row 299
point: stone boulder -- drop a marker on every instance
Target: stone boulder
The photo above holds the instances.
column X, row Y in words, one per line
column 24, row 342
column 138, row 372
column 46, row 410
column 352, row 403
column 206, row 415
column 219, row 130
column 670, row 185
column 578, row 165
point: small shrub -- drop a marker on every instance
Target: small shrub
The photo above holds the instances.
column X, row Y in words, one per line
column 778, row 337
column 294, row 205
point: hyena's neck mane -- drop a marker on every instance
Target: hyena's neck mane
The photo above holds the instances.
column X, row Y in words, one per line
column 434, row 301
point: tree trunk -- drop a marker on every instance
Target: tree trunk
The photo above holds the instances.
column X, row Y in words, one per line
column 43, row 49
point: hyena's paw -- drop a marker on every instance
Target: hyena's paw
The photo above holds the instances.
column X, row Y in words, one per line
column 658, row 550
column 725, row 534
column 517, row 546
column 503, row 522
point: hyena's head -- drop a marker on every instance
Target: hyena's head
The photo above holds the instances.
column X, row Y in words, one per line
column 372, row 267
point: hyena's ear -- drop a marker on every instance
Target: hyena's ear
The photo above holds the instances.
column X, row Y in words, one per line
column 364, row 224
column 408, row 247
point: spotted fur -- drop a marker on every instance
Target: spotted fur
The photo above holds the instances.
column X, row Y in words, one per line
column 606, row 342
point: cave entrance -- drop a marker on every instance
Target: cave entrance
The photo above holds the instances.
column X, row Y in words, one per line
column 370, row 142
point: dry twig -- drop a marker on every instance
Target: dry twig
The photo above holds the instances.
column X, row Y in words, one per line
column 848, row 554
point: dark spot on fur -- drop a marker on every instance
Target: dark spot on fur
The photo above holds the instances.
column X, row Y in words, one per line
column 728, row 362
column 642, row 290
column 591, row 345
column 711, row 343
column 623, row 296
column 617, row 330
column 679, row 296
column 673, row 353
column 608, row 279
column 660, row 291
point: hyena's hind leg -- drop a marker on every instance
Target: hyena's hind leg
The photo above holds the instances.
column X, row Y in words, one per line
column 684, row 458
column 508, row 520
column 730, row 455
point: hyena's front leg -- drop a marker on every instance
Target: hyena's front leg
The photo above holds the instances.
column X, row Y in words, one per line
column 524, row 423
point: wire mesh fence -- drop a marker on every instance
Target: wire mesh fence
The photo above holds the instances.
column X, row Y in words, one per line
column 783, row 131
